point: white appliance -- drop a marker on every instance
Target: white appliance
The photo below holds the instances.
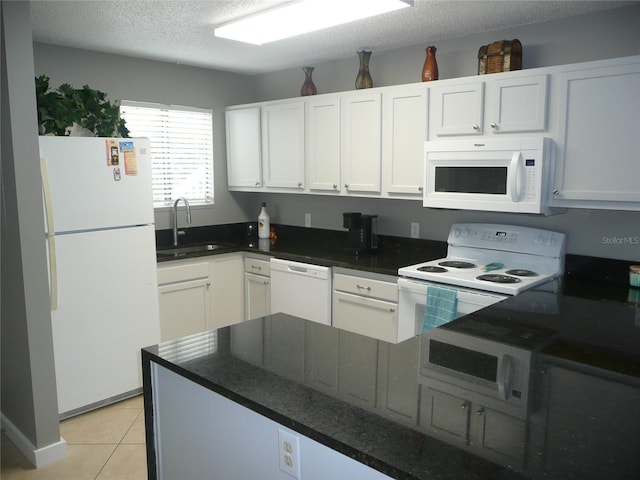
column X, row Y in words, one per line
column 500, row 175
column 102, row 265
column 485, row 263
column 301, row 289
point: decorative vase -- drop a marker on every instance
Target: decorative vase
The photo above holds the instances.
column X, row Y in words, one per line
column 363, row 80
column 430, row 68
column 308, row 88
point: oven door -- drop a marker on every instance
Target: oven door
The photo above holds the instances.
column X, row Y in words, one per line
column 412, row 298
column 479, row 369
column 490, row 175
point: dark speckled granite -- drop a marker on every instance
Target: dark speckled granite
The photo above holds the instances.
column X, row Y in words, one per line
column 584, row 420
column 584, row 342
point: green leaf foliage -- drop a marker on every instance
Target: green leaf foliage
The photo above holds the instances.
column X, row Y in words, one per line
column 59, row 109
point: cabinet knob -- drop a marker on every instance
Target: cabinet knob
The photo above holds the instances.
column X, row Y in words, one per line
column 335, row 186
column 208, row 284
column 346, row 185
column 556, row 192
column 299, row 184
column 266, row 282
column 463, row 406
column 480, row 411
column 420, row 189
column 476, row 126
column 494, row 125
column 391, row 310
column 257, row 184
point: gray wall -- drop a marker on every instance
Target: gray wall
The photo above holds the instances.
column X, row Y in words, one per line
column 606, row 34
column 29, row 399
column 151, row 81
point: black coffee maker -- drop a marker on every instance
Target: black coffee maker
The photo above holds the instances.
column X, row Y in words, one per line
column 363, row 232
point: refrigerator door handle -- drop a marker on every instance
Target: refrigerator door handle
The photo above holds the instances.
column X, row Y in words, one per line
column 50, row 234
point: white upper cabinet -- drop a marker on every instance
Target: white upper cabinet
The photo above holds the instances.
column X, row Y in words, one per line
column 243, row 147
column 456, row 109
column 598, row 144
column 322, row 142
column 361, row 142
column 513, row 104
column 404, row 131
column 283, row 145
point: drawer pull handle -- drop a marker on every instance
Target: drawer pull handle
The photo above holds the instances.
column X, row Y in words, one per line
column 360, row 287
column 256, row 267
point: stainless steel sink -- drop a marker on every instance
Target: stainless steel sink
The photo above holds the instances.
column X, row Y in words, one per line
column 187, row 249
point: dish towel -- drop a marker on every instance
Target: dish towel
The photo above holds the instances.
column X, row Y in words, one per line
column 441, row 307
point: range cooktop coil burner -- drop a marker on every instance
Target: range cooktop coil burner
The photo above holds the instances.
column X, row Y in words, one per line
column 456, row 264
column 498, row 278
column 521, row 272
column 432, row 269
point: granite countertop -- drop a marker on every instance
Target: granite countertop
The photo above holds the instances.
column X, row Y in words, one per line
column 583, row 418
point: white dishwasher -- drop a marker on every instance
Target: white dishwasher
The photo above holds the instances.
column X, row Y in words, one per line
column 301, row 289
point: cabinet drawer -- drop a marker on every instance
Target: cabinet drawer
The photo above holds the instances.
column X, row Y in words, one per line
column 366, row 287
column 183, row 272
column 366, row 316
column 259, row 267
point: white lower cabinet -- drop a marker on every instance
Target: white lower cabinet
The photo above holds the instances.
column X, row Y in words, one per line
column 464, row 423
column 257, row 288
column 183, row 288
column 200, row 294
column 227, row 290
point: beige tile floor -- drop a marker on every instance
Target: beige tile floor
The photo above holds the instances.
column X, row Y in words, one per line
column 106, row 444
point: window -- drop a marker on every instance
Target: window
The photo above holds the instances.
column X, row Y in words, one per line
column 181, row 149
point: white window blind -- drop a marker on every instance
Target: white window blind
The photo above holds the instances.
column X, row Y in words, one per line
column 181, row 141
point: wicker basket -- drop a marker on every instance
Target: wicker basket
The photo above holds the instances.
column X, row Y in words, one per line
column 502, row 56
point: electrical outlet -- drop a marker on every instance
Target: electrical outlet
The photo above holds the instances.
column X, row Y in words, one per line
column 415, row 230
column 289, row 453
column 307, row 219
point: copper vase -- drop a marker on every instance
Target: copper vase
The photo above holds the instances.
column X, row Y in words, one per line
column 364, row 80
column 430, row 68
column 308, row 87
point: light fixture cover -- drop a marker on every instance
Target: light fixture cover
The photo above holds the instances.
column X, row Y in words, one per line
column 303, row 16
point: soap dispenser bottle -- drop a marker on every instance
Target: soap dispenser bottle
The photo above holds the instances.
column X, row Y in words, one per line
column 264, row 226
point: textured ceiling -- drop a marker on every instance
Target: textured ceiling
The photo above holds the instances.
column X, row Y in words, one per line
column 181, row 31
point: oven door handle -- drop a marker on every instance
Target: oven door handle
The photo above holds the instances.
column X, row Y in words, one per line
column 515, row 176
column 505, row 372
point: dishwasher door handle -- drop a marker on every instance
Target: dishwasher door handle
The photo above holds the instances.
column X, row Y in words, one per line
column 296, row 269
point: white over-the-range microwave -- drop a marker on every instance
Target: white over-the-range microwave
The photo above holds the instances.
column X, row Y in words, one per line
column 490, row 174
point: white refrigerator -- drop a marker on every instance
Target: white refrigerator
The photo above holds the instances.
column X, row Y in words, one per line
column 102, row 266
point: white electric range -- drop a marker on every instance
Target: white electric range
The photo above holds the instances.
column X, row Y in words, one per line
column 485, row 264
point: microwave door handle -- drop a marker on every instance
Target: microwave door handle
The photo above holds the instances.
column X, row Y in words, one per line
column 515, row 176
column 505, row 372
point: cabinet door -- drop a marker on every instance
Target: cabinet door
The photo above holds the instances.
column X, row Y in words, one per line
column 404, row 131
column 497, row 436
column 445, row 416
column 361, row 142
column 517, row 104
column 227, row 291
column 457, row 109
column 283, row 145
column 184, row 308
column 357, row 365
column 321, row 357
column 257, row 296
column 598, row 150
column 322, row 141
column 398, row 380
column 243, row 147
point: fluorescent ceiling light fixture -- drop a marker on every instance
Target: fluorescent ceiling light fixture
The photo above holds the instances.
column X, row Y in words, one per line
column 303, row 16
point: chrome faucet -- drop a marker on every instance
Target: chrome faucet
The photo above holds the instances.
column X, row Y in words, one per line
column 175, row 219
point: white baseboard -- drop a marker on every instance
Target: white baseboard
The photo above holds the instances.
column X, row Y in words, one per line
column 38, row 457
